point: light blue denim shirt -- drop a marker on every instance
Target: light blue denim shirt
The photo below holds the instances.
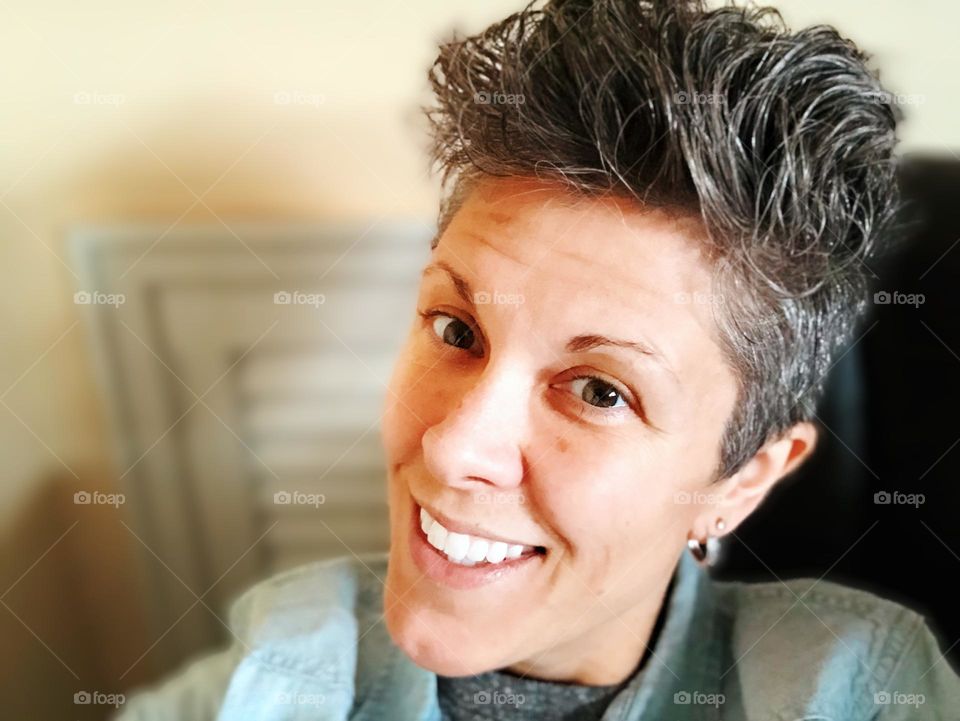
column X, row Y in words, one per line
column 311, row 644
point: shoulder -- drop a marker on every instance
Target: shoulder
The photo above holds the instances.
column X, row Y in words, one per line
column 807, row 610
column 294, row 639
column 301, row 605
column 832, row 648
column 329, row 585
column 317, row 634
column 303, row 634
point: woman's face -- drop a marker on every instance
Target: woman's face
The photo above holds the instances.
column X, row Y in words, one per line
column 510, row 418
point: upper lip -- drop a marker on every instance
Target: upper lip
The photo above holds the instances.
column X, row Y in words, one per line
column 468, row 528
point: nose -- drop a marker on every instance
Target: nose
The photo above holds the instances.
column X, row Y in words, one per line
column 480, row 439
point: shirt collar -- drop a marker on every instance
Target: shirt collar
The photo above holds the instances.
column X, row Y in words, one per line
column 684, row 668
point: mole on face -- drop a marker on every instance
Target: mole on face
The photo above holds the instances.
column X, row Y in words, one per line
column 563, row 445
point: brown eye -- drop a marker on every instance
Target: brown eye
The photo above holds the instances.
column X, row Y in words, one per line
column 454, row 331
column 598, row 392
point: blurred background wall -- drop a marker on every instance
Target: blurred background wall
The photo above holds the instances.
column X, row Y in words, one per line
column 179, row 113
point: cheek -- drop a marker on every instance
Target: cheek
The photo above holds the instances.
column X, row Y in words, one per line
column 403, row 424
column 400, row 431
column 612, row 506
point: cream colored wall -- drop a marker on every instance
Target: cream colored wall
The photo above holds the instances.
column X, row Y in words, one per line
column 915, row 46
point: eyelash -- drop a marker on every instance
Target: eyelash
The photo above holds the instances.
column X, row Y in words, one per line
column 628, row 397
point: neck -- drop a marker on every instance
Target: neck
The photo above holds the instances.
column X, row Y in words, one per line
column 606, row 654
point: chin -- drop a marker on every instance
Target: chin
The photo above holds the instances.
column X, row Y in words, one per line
column 435, row 644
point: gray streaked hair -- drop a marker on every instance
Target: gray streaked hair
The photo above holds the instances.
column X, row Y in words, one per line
column 781, row 142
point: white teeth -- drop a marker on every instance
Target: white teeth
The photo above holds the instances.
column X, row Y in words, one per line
column 425, row 521
column 456, row 546
column 497, row 552
column 437, row 536
column 478, row 549
column 466, row 550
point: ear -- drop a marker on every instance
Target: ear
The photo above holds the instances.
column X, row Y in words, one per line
column 740, row 494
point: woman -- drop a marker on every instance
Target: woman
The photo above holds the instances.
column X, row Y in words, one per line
column 652, row 249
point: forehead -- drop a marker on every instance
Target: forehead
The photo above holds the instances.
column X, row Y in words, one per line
column 574, row 256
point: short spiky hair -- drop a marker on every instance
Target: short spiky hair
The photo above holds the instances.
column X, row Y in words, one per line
column 781, row 142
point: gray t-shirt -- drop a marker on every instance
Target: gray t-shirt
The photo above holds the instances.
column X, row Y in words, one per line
column 500, row 695
column 504, row 696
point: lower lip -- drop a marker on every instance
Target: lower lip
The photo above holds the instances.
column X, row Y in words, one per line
column 436, row 566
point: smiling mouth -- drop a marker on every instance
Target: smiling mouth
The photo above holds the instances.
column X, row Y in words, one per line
column 471, row 550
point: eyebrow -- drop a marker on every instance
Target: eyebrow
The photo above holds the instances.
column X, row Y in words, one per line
column 459, row 282
column 577, row 344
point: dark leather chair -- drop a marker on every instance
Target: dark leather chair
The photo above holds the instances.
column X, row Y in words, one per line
column 890, row 425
